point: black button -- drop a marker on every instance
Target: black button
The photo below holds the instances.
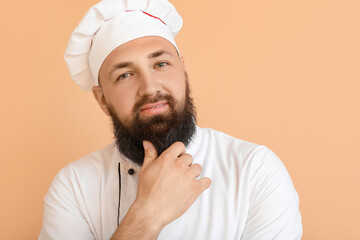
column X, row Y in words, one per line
column 131, row 171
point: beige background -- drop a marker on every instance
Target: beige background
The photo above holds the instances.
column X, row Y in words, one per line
column 280, row 73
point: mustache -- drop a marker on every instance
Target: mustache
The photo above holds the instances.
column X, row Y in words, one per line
column 146, row 99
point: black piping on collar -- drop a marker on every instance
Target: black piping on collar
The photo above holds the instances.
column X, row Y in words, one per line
column 118, row 216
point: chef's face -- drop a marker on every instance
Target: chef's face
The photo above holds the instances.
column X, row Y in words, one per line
column 138, row 77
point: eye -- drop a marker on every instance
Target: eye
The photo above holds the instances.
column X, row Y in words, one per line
column 123, row 76
column 162, row 64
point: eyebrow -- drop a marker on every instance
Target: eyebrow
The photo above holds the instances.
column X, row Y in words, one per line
column 119, row 66
column 159, row 53
column 155, row 54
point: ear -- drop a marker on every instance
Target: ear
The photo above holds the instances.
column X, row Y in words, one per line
column 100, row 98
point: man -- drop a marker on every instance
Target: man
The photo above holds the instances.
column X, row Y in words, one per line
column 164, row 177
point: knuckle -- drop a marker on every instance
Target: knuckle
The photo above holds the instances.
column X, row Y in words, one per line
column 149, row 154
column 206, row 182
column 166, row 155
column 186, row 159
column 164, row 162
column 194, row 171
column 180, row 164
column 179, row 145
column 197, row 167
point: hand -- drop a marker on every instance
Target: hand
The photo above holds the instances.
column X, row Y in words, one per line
column 167, row 184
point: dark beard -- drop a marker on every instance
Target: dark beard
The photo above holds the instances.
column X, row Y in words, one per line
column 161, row 130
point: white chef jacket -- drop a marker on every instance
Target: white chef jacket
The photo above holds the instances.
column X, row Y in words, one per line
column 251, row 195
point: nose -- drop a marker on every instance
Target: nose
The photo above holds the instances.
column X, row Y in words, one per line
column 149, row 84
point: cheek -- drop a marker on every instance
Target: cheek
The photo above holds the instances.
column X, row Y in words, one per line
column 123, row 102
column 177, row 84
column 180, row 90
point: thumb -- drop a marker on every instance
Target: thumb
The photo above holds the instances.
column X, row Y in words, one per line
column 150, row 153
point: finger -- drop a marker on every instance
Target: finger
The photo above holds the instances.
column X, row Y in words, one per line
column 203, row 184
column 195, row 170
column 175, row 150
column 187, row 159
column 150, row 153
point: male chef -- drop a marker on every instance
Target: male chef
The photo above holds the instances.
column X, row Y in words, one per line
column 163, row 177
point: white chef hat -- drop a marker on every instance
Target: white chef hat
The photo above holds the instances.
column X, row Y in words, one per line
column 111, row 23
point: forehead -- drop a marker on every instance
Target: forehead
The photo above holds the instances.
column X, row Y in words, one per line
column 140, row 47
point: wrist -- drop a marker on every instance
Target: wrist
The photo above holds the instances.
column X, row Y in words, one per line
column 148, row 219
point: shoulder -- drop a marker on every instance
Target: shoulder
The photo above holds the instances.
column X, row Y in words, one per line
column 258, row 176
column 85, row 173
column 93, row 163
column 238, row 157
column 257, row 160
column 231, row 149
column 73, row 197
column 225, row 141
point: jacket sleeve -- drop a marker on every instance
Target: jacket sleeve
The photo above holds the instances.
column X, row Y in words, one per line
column 274, row 203
column 63, row 217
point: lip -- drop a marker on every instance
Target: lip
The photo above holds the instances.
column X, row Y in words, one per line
column 154, row 108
